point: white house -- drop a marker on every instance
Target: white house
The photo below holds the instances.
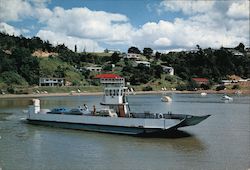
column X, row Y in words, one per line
column 132, row 56
column 145, row 63
column 51, row 82
column 169, row 70
column 94, row 68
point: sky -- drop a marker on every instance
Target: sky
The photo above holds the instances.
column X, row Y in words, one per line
column 163, row 25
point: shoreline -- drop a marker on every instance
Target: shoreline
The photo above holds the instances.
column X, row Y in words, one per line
column 6, row 96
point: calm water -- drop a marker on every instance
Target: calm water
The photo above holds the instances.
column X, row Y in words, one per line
column 220, row 142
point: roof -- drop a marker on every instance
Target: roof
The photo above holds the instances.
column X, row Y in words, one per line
column 200, row 79
column 142, row 62
column 107, row 76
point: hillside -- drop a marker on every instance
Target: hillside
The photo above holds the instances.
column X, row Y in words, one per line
column 24, row 60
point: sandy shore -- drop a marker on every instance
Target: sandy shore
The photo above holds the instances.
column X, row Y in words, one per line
column 138, row 92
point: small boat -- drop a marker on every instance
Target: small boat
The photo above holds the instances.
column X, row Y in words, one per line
column 114, row 117
column 227, row 98
column 166, row 99
column 203, row 94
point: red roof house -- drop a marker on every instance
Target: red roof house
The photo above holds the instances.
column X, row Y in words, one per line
column 107, row 76
column 201, row 80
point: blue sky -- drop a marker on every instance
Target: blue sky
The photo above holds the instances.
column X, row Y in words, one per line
column 162, row 25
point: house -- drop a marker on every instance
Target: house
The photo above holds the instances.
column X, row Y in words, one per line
column 51, row 82
column 200, row 81
column 235, row 52
column 169, row 70
column 94, row 68
column 145, row 63
column 111, row 51
column 132, row 56
column 110, row 79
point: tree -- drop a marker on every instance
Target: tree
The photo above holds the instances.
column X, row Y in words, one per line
column 115, row 58
column 240, row 47
column 157, row 55
column 134, row 50
column 147, row 52
column 12, row 78
column 75, row 48
column 26, row 65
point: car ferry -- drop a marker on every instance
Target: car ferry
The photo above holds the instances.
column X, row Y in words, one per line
column 115, row 117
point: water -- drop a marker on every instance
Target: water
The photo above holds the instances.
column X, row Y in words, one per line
column 220, row 142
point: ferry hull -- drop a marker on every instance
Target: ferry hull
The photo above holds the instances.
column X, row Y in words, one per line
column 169, row 125
column 134, row 131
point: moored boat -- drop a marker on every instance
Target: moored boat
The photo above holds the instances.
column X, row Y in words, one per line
column 115, row 117
column 166, row 99
column 227, row 98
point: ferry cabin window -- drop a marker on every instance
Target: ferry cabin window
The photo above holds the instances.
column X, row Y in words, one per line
column 110, row 92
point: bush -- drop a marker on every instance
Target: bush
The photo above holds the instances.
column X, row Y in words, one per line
column 147, row 88
column 10, row 78
column 181, row 87
column 11, row 90
column 222, row 87
column 236, row 87
column 205, row 86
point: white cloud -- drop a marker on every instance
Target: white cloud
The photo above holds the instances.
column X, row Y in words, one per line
column 13, row 10
column 207, row 23
column 162, row 42
column 16, row 10
column 43, row 14
column 187, row 7
column 84, row 23
column 86, row 27
column 8, row 29
column 59, row 38
column 239, row 9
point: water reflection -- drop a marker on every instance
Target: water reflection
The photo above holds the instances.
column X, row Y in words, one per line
column 220, row 142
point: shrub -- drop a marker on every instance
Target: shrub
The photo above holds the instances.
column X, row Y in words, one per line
column 10, row 78
column 181, row 87
column 236, row 86
column 205, row 86
column 222, row 87
column 147, row 88
column 11, row 90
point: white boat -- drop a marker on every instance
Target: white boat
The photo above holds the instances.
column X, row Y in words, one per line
column 166, row 99
column 115, row 117
column 226, row 97
column 203, row 94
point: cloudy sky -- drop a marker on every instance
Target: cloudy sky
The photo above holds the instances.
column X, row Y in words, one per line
column 162, row 25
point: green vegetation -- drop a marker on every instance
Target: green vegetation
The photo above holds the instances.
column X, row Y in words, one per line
column 20, row 69
column 212, row 64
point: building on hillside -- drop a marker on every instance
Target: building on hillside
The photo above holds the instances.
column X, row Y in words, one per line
column 145, row 63
column 234, row 52
column 111, row 51
column 94, row 68
column 51, row 82
column 248, row 50
column 200, row 81
column 132, row 56
column 112, row 79
column 169, row 70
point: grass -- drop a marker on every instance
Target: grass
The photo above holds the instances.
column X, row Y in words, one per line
column 68, row 89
